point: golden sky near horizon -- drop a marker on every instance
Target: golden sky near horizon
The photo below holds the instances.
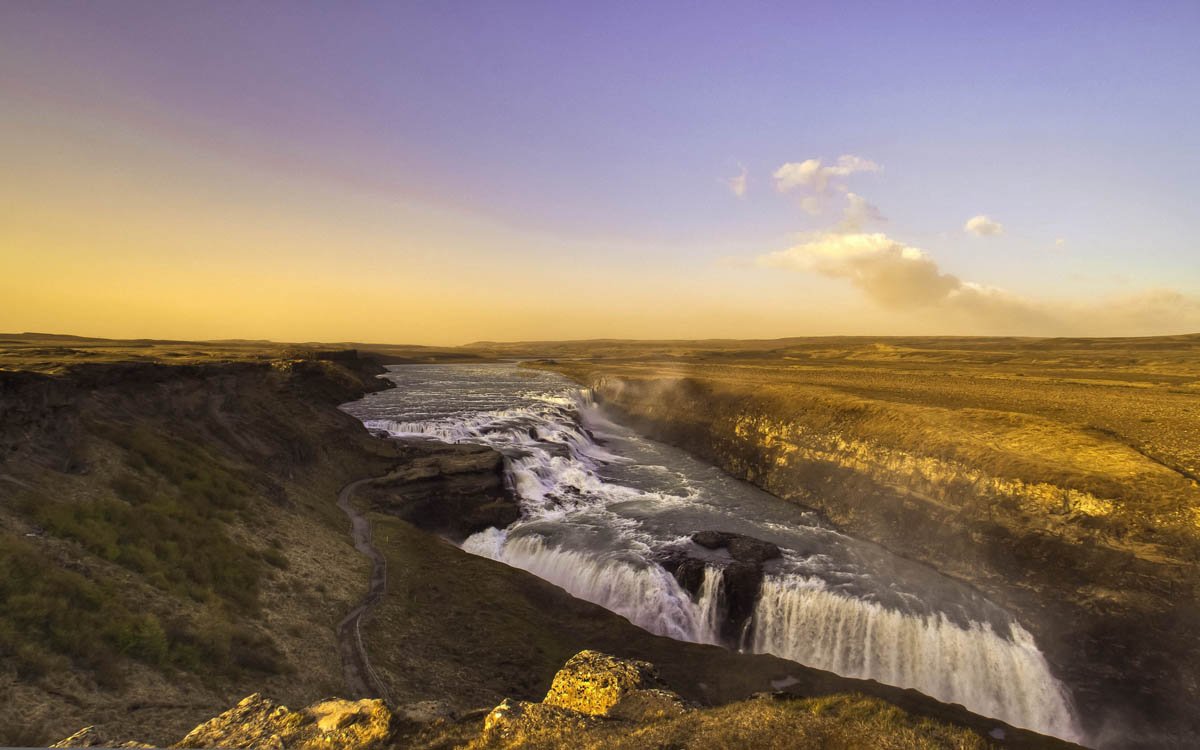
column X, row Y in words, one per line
column 407, row 174
column 112, row 232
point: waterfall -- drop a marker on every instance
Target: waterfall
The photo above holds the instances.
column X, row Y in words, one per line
column 642, row 593
column 709, row 604
column 1007, row 678
column 796, row 618
column 592, row 525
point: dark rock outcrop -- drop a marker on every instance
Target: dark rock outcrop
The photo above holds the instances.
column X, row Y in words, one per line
column 451, row 489
column 744, row 549
column 741, row 568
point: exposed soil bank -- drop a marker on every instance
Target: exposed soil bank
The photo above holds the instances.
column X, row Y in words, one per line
column 1105, row 581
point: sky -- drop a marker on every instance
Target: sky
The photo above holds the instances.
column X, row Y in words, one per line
column 440, row 173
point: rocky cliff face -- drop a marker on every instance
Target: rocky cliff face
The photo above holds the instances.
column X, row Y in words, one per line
column 450, row 489
column 1105, row 579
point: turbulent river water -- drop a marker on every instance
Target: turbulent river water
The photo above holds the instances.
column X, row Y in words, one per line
column 600, row 504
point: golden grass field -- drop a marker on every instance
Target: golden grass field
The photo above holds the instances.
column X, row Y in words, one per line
column 41, row 352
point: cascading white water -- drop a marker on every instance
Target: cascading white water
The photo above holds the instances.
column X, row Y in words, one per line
column 646, row 595
column 709, row 604
column 799, row 619
column 594, row 517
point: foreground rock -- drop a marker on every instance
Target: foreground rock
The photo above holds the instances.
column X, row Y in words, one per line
column 257, row 722
column 590, row 686
column 601, row 701
column 260, row 723
column 595, row 701
column 597, row 684
column 93, row 737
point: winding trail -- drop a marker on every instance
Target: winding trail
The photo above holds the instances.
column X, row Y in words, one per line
column 360, row 678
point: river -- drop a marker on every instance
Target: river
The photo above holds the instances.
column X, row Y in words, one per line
column 600, row 505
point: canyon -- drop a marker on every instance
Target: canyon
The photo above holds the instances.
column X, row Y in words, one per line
column 1068, row 502
column 1057, row 477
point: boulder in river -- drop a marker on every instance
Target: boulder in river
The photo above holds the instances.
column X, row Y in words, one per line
column 744, row 549
column 741, row 565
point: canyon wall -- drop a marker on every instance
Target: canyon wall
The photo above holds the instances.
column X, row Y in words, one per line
column 1090, row 543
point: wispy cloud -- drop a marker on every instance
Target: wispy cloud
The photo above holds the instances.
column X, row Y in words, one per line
column 859, row 212
column 812, row 175
column 983, row 226
column 737, row 184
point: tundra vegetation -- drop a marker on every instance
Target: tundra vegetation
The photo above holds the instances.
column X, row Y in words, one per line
column 171, row 543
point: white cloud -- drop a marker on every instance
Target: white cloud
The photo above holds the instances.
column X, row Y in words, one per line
column 906, row 280
column 983, row 226
column 811, row 175
column 848, row 164
column 859, row 212
column 903, row 278
column 737, row 184
column 794, row 174
column 890, row 273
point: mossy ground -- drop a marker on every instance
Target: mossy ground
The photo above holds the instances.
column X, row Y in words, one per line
column 190, row 555
column 835, row 722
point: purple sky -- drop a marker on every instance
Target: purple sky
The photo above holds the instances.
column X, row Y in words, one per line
column 608, row 131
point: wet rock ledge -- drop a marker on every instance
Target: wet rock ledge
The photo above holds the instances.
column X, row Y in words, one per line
column 450, row 489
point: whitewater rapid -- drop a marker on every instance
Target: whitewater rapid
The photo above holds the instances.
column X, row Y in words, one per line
column 601, row 503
